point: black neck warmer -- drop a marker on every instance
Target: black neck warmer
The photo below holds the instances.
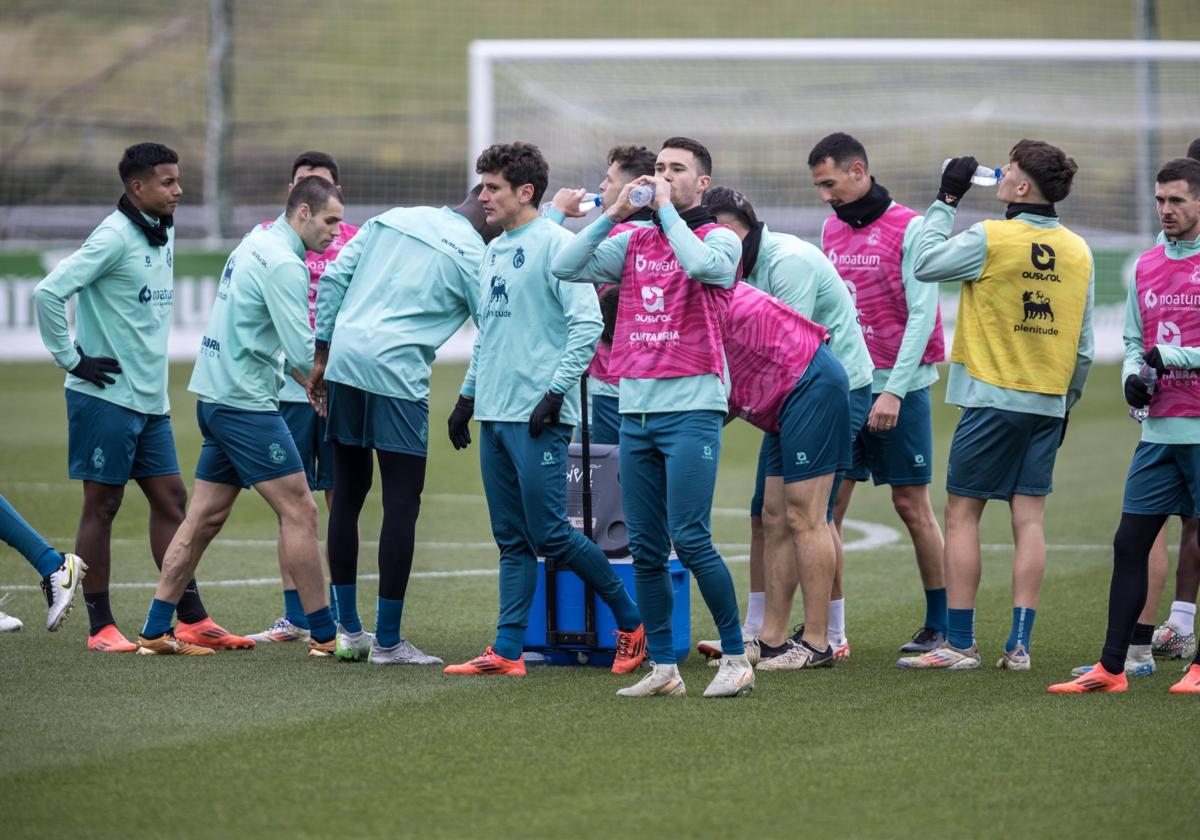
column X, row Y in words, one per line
column 698, row 216
column 860, row 213
column 1046, row 210
column 156, row 235
column 750, row 246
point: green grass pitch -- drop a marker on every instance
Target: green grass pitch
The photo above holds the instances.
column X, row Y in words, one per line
column 270, row 744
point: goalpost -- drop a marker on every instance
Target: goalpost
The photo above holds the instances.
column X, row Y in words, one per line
column 1119, row 108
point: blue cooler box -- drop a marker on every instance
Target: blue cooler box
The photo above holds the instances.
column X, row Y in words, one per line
column 569, row 596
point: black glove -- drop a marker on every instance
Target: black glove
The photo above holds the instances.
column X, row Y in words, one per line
column 956, row 179
column 459, row 422
column 1136, row 392
column 1063, row 435
column 95, row 369
column 545, row 412
column 1154, row 359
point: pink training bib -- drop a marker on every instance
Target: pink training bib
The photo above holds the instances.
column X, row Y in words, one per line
column 668, row 325
column 599, row 366
column 768, row 346
column 869, row 260
column 317, row 263
column 1169, row 299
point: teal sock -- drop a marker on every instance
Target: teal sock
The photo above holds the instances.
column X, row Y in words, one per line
column 320, row 625
column 293, row 610
column 510, row 642
column 158, row 620
column 387, row 621
column 935, row 609
column 346, row 598
column 960, row 631
column 1022, row 628
column 333, row 604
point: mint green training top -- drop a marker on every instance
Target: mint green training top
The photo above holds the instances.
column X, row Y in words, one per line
column 908, row 374
column 1161, row 429
column 535, row 333
column 939, row 258
column 594, row 257
column 800, row 275
column 259, row 326
column 126, row 288
column 397, row 291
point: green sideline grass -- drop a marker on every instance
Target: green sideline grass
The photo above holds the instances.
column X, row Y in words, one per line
column 269, row 744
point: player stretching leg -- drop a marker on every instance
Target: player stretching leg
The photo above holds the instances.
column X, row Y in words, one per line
column 258, row 327
column 303, row 420
column 798, row 274
column 118, row 421
column 869, row 238
column 399, row 290
column 675, row 279
column 1014, row 377
column 1164, row 476
column 536, row 337
column 61, row 573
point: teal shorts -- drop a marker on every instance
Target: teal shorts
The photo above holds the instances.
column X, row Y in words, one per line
column 1163, row 478
column 316, row 453
column 360, row 418
column 901, row 455
column 997, row 454
column 110, row 444
column 244, row 448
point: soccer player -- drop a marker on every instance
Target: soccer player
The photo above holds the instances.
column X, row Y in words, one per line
column 1022, row 350
column 536, row 337
column 399, row 290
column 624, row 164
column 306, row 424
column 869, row 239
column 1162, row 320
column 61, row 573
column 798, row 274
column 118, row 420
column 674, row 281
column 258, row 328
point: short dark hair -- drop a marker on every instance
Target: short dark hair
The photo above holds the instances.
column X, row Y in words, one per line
column 315, row 160
column 634, row 161
column 1194, row 149
column 312, row 190
column 141, row 158
column 840, row 146
column 726, row 200
column 519, row 163
column 703, row 158
column 1047, row 166
column 476, row 190
column 1181, row 169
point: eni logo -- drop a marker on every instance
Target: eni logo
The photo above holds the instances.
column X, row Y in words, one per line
column 1042, row 256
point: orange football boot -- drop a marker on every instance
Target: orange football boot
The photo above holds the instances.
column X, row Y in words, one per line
column 1190, row 684
column 110, row 640
column 207, row 633
column 490, row 662
column 1097, row 680
column 631, row 650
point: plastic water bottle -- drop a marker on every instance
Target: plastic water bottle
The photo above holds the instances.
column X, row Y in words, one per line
column 1150, row 376
column 589, row 203
column 985, row 176
column 641, row 195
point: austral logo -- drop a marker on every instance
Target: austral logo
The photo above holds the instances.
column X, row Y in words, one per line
column 1042, row 258
column 519, row 258
column 652, row 298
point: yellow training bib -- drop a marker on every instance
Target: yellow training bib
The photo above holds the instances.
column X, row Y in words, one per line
column 1019, row 323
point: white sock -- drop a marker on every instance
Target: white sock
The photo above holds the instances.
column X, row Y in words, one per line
column 755, row 608
column 1182, row 618
column 1139, row 653
column 837, row 622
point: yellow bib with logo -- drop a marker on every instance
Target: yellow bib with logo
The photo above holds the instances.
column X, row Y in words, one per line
column 1019, row 323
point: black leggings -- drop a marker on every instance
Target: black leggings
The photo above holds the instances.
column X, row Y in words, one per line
column 403, row 478
column 1130, row 580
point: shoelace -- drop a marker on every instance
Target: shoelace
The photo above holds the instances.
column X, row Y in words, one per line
column 624, row 642
column 48, row 591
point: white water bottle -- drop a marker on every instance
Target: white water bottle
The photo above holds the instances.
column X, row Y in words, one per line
column 641, row 195
column 1150, row 376
column 589, row 202
column 985, row 176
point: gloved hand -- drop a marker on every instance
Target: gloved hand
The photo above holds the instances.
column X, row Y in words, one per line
column 460, row 420
column 1154, row 359
column 95, row 369
column 956, row 179
column 1136, row 392
column 1063, row 435
column 546, row 412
